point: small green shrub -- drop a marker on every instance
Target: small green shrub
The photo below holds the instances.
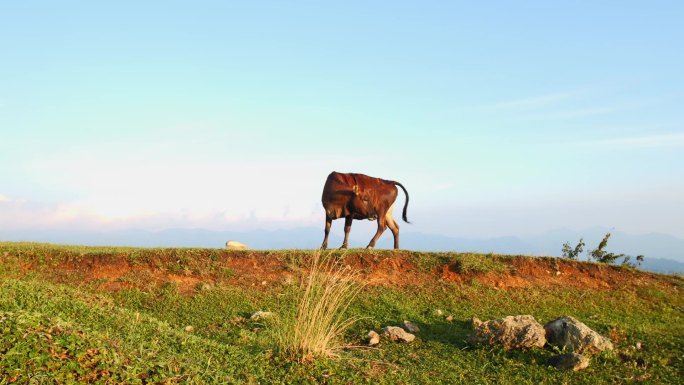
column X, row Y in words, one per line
column 573, row 253
column 602, row 256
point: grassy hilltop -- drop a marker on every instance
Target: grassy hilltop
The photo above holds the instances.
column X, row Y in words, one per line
column 71, row 314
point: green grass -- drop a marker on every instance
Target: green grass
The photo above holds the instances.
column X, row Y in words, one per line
column 57, row 329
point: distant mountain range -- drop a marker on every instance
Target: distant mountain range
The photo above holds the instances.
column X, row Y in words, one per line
column 664, row 253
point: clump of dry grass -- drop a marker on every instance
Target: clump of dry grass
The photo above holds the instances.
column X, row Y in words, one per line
column 317, row 327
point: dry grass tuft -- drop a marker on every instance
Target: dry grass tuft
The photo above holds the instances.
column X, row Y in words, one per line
column 317, row 328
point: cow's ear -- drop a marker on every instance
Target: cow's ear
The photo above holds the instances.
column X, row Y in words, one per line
column 355, row 189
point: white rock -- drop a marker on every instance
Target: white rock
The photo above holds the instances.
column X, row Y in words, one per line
column 235, row 245
column 373, row 338
column 259, row 315
column 512, row 332
column 396, row 333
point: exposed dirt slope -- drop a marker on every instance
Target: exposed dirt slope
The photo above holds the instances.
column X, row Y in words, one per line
column 190, row 269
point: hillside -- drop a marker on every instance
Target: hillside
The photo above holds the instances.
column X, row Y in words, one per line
column 664, row 253
column 103, row 315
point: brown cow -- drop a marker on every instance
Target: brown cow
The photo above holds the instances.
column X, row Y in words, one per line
column 358, row 196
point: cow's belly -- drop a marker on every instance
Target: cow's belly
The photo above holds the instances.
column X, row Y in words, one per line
column 335, row 212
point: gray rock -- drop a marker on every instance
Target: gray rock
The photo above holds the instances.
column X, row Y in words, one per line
column 395, row 333
column 410, row 327
column 568, row 332
column 569, row 361
column 373, row 338
column 512, row 332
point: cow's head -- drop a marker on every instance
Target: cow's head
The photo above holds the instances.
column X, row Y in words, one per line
column 362, row 204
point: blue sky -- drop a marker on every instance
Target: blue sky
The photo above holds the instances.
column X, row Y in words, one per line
column 500, row 118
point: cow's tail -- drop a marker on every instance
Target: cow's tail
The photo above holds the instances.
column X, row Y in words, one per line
column 405, row 204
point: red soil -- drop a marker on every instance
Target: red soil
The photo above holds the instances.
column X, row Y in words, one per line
column 264, row 269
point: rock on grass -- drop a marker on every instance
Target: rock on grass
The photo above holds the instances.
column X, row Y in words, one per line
column 568, row 332
column 396, row 333
column 512, row 332
column 569, row 361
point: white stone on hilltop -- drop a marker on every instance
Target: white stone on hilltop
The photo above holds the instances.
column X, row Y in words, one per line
column 235, row 245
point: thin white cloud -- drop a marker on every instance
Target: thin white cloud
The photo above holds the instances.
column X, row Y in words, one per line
column 574, row 113
column 84, row 215
column 6, row 199
column 533, row 102
column 635, row 142
column 152, row 189
column 552, row 106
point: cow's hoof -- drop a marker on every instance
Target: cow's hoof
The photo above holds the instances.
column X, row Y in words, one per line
column 343, row 247
column 369, row 247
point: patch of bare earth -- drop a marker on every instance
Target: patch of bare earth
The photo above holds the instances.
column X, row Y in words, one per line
column 265, row 269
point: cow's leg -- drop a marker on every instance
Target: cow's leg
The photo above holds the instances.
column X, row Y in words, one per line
column 347, row 229
column 382, row 224
column 394, row 227
column 328, row 223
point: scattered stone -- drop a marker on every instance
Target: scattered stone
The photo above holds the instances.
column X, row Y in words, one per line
column 642, row 377
column 411, row 327
column 512, row 332
column 237, row 320
column 396, row 333
column 450, row 318
column 567, row 332
column 235, row 245
column 569, row 361
column 558, row 273
column 206, row 287
column 438, row 313
column 373, row 338
column 637, row 346
column 259, row 315
column 189, row 328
